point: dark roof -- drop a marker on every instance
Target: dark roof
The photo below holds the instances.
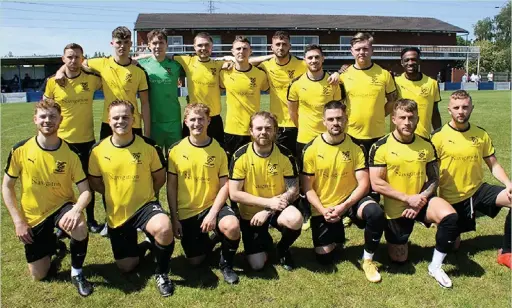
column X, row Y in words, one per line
column 293, row 21
column 31, row 60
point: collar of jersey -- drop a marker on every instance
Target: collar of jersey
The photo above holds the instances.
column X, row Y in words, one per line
column 289, row 60
column 413, row 138
column 421, row 77
column 460, row 131
column 124, row 146
column 333, row 144
column 250, row 68
column 323, row 76
column 48, row 150
column 272, row 150
column 200, row 146
column 73, row 77
column 121, row 64
column 363, row 69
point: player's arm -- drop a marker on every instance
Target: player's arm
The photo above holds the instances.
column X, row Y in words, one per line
column 145, row 112
column 71, row 219
column 210, row 221
column 381, row 186
column 436, row 117
column 258, row 59
column 498, row 172
column 292, row 189
column 390, row 101
column 432, row 183
column 172, row 200
column 96, row 183
column 23, row 230
column 158, row 179
column 362, row 189
column 311, row 195
column 237, row 194
column 293, row 110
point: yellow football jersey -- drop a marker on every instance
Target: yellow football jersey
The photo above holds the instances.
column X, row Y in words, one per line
column 262, row 176
column 243, row 93
column 199, row 169
column 279, row 78
column 461, row 155
column 120, row 82
column 405, row 167
column 75, row 99
column 366, row 99
column 202, row 81
column 334, row 167
column 311, row 96
column 47, row 177
column 126, row 173
column 425, row 92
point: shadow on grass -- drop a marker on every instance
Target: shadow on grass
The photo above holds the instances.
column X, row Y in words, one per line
column 200, row 276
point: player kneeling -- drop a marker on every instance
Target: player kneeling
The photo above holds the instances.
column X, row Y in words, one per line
column 128, row 169
column 197, row 190
column 404, row 169
column 263, row 179
column 335, row 180
column 47, row 167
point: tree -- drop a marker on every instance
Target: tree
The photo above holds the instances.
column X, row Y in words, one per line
column 502, row 26
column 484, row 29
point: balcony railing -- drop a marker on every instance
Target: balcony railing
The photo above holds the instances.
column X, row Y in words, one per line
column 342, row 52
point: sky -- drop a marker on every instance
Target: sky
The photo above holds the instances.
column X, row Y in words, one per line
column 45, row 27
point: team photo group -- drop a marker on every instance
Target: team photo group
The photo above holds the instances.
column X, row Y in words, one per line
column 322, row 158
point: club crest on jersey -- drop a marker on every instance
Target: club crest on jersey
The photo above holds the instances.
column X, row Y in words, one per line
column 60, row 167
column 210, row 160
column 272, row 169
column 85, row 86
column 253, row 82
column 213, row 70
column 422, row 155
column 136, row 158
column 424, row 91
column 169, row 70
column 375, row 80
column 326, row 90
column 475, row 141
column 345, row 155
column 128, row 77
column 291, row 73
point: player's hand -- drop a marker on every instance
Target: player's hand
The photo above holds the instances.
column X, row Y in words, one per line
column 409, row 213
column 417, row 201
column 259, row 218
column 209, row 222
column 328, row 213
column 24, row 232
column 277, row 203
column 344, row 68
column 70, row 220
column 508, row 188
column 227, row 66
column 340, row 209
column 228, row 58
column 60, row 78
column 134, row 62
column 176, row 229
column 334, row 79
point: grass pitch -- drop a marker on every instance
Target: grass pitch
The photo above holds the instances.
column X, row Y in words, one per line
column 478, row 280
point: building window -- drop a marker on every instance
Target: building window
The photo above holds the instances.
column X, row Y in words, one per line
column 299, row 42
column 260, row 40
column 345, row 40
column 175, row 44
column 216, row 43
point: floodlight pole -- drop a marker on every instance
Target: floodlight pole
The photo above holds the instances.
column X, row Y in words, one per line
column 467, row 54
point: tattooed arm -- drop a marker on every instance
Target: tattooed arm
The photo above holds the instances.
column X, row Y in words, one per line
column 292, row 189
column 433, row 179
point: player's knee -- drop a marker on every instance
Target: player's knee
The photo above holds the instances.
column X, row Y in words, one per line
column 127, row 265
column 39, row 273
column 257, row 261
column 162, row 232
column 374, row 215
column 195, row 261
column 447, row 233
column 80, row 232
column 292, row 220
column 325, row 254
column 230, row 227
column 398, row 253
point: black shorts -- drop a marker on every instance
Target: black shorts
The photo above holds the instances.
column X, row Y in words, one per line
column 83, row 152
column 483, row 201
column 234, row 142
column 366, row 144
column 258, row 239
column 215, row 129
column 106, row 131
column 44, row 239
column 287, row 136
column 194, row 241
column 124, row 238
column 352, row 212
column 398, row 230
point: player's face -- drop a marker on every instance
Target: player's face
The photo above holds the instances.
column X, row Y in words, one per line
column 120, row 120
column 314, row 59
column 47, row 121
column 73, row 59
column 121, row 46
column 460, row 110
column 335, row 121
column 410, row 62
column 405, row 122
column 197, row 122
column 362, row 51
column 281, row 47
column 263, row 131
column 203, row 48
column 158, row 46
column 241, row 51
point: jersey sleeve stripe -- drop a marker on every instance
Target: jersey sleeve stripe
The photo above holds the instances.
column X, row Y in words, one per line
column 489, row 155
column 172, row 173
column 11, row 176
column 289, row 87
column 163, row 167
column 238, row 153
column 235, row 179
column 84, row 179
column 373, row 150
column 364, row 168
column 306, row 173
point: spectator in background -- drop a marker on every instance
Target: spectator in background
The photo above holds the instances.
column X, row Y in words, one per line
column 465, row 78
column 473, row 77
column 26, row 82
column 490, row 77
column 439, row 77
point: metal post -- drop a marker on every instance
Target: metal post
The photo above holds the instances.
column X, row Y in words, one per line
column 19, row 78
column 478, row 66
column 467, row 54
